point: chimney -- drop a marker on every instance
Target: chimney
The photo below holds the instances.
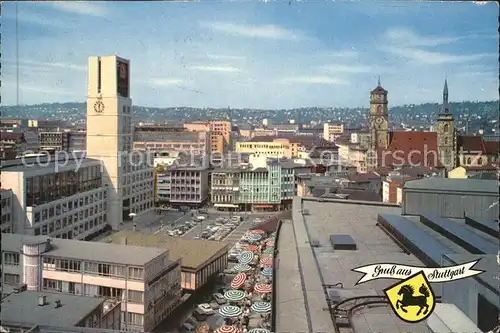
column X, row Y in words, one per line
column 124, row 240
column 42, row 300
column 57, row 304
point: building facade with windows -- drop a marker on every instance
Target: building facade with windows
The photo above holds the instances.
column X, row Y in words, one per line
column 188, row 185
column 60, row 199
column 172, row 138
column 7, row 199
column 143, row 279
column 269, row 186
column 331, row 131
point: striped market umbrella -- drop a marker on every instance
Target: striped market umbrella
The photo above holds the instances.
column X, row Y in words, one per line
column 270, row 243
column 242, row 268
column 268, row 271
column 239, row 281
column 259, row 330
column 261, row 307
column 263, row 288
column 252, row 248
column 266, row 261
column 269, row 250
column 234, row 295
column 245, row 257
column 230, row 311
column 258, row 231
column 228, row 329
column 254, row 238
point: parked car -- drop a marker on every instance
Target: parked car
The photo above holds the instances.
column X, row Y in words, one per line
column 187, row 327
column 205, row 308
column 219, row 298
column 199, row 315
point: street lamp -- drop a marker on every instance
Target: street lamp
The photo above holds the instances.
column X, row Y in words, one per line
column 132, row 216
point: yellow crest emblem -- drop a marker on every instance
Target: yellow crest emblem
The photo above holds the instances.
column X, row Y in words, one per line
column 412, row 299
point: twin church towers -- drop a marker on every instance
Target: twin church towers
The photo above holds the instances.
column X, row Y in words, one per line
column 380, row 138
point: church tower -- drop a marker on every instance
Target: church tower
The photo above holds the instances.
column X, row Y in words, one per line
column 379, row 119
column 446, row 134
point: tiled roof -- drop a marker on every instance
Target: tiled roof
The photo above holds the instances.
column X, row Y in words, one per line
column 471, row 144
column 411, row 148
column 417, row 171
column 492, row 147
column 363, row 177
column 379, row 89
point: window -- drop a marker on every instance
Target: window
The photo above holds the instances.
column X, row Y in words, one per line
column 53, row 285
column 480, row 161
column 11, row 278
column 469, row 160
column 136, row 273
column 11, row 258
column 135, row 296
column 135, row 318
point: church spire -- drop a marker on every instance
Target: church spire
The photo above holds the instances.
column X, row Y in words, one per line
column 446, row 108
column 379, row 81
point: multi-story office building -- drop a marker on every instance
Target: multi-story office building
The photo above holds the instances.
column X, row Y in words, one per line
column 220, row 133
column 78, row 140
column 127, row 173
column 6, row 225
column 172, row 137
column 26, row 127
column 188, row 185
column 144, row 279
column 162, row 184
column 331, row 131
column 61, row 199
column 54, row 140
column 267, row 186
column 290, row 146
column 12, row 145
column 62, row 140
column 277, row 148
column 225, row 188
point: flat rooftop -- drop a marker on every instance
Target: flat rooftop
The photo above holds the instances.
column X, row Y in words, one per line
column 23, row 309
column 195, row 253
column 88, row 251
column 309, row 268
column 48, row 163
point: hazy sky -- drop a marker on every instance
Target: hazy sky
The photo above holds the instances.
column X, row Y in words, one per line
column 255, row 54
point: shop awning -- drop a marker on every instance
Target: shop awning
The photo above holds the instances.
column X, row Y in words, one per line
column 226, row 205
column 263, row 206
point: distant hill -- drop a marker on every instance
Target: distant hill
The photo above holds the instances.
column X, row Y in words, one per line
column 480, row 113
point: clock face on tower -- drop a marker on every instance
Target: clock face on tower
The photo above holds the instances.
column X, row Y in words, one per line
column 99, row 106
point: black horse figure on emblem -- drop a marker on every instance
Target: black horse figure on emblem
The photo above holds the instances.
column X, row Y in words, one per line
column 410, row 300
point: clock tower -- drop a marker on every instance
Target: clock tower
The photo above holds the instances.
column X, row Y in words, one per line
column 379, row 119
column 446, row 134
column 109, row 132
